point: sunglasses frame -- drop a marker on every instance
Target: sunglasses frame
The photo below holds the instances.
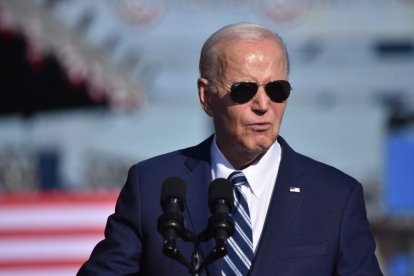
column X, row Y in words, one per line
column 231, row 89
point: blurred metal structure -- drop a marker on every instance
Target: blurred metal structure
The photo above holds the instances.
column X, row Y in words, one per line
column 83, row 62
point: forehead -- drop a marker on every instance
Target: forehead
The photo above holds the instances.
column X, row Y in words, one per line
column 237, row 48
column 247, row 55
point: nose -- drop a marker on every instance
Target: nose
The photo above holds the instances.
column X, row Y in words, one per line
column 260, row 101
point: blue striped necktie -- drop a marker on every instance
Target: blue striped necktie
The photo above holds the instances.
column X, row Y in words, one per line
column 240, row 247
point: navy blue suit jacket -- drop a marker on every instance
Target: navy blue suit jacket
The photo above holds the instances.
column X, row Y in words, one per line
column 322, row 230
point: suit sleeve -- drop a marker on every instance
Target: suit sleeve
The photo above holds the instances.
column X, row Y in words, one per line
column 119, row 253
column 356, row 254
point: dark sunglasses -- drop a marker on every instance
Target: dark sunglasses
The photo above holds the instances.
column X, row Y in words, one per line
column 242, row 92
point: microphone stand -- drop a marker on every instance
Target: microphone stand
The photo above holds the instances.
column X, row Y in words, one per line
column 218, row 228
column 197, row 263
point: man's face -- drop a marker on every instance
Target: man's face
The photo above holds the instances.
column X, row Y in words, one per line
column 245, row 131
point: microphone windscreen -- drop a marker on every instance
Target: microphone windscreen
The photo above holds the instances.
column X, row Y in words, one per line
column 172, row 188
column 220, row 190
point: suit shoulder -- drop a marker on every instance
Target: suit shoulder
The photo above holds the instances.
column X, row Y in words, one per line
column 326, row 174
column 160, row 159
column 312, row 169
column 175, row 162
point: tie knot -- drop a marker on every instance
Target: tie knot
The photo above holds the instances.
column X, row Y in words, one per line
column 237, row 178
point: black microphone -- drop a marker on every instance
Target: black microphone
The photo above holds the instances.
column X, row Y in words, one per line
column 171, row 223
column 221, row 203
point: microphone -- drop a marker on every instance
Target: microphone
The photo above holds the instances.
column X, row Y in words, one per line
column 221, row 204
column 171, row 223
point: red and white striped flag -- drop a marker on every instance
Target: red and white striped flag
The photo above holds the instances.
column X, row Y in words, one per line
column 51, row 233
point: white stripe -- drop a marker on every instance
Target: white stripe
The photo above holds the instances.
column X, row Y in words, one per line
column 47, row 248
column 241, row 210
column 54, row 217
column 244, row 215
column 240, row 207
column 243, row 235
column 232, row 266
column 239, row 253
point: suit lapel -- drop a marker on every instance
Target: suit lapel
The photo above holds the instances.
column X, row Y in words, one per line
column 283, row 207
column 198, row 179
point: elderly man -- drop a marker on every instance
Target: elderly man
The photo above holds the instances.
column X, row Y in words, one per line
column 292, row 215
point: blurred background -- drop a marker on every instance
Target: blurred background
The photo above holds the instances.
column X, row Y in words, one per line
column 89, row 88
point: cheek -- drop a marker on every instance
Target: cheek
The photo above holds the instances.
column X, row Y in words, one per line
column 230, row 123
column 235, row 116
column 279, row 113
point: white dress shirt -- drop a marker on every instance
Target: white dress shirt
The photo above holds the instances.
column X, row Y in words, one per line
column 261, row 176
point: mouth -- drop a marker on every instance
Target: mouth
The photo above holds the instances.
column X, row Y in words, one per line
column 260, row 127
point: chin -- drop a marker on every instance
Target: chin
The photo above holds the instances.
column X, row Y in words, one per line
column 263, row 143
column 259, row 148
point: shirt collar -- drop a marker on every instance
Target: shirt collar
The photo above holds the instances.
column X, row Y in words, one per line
column 221, row 167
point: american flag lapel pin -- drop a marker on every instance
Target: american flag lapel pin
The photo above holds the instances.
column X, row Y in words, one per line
column 294, row 189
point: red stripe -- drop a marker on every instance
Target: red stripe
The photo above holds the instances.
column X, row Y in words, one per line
column 46, row 232
column 58, row 197
column 41, row 263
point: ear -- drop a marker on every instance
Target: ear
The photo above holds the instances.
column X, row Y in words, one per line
column 205, row 95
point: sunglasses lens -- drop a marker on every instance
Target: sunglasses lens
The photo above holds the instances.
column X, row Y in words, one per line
column 278, row 91
column 242, row 92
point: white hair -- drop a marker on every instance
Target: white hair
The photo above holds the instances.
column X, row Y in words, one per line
column 209, row 65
